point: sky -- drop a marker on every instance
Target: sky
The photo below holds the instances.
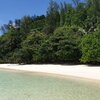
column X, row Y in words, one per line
column 16, row 9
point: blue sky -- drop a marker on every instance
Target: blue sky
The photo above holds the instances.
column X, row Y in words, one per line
column 15, row 9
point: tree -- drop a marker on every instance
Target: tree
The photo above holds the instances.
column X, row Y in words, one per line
column 9, row 42
column 69, row 14
column 53, row 17
column 26, row 24
column 61, row 47
column 93, row 16
column 62, row 15
column 94, row 4
column 80, row 15
column 90, row 47
column 32, row 44
column 38, row 23
column 76, row 2
column 54, row 37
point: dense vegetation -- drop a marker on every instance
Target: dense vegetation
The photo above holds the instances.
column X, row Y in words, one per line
column 67, row 33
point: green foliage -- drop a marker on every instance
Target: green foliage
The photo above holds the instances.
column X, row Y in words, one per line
column 61, row 47
column 53, row 16
column 69, row 14
column 48, row 30
column 55, row 37
column 62, row 13
column 9, row 42
column 90, row 47
column 22, row 56
column 32, row 44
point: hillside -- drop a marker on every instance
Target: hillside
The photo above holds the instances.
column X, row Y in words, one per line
column 68, row 33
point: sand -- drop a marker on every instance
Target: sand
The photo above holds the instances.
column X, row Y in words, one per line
column 82, row 71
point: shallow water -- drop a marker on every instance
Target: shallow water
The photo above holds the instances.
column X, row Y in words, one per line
column 24, row 86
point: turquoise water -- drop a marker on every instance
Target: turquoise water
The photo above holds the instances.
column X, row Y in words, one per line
column 24, row 86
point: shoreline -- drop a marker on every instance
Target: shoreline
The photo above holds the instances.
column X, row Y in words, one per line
column 81, row 71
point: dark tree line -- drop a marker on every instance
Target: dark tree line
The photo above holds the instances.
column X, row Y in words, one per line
column 67, row 33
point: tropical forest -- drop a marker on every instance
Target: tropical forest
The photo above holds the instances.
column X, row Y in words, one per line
column 67, row 33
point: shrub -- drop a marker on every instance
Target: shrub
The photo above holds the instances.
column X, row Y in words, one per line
column 61, row 47
column 90, row 47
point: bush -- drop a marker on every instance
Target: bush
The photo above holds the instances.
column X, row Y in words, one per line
column 61, row 47
column 32, row 44
column 90, row 47
column 48, row 30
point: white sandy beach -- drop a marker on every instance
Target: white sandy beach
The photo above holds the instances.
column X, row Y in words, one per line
column 70, row 70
